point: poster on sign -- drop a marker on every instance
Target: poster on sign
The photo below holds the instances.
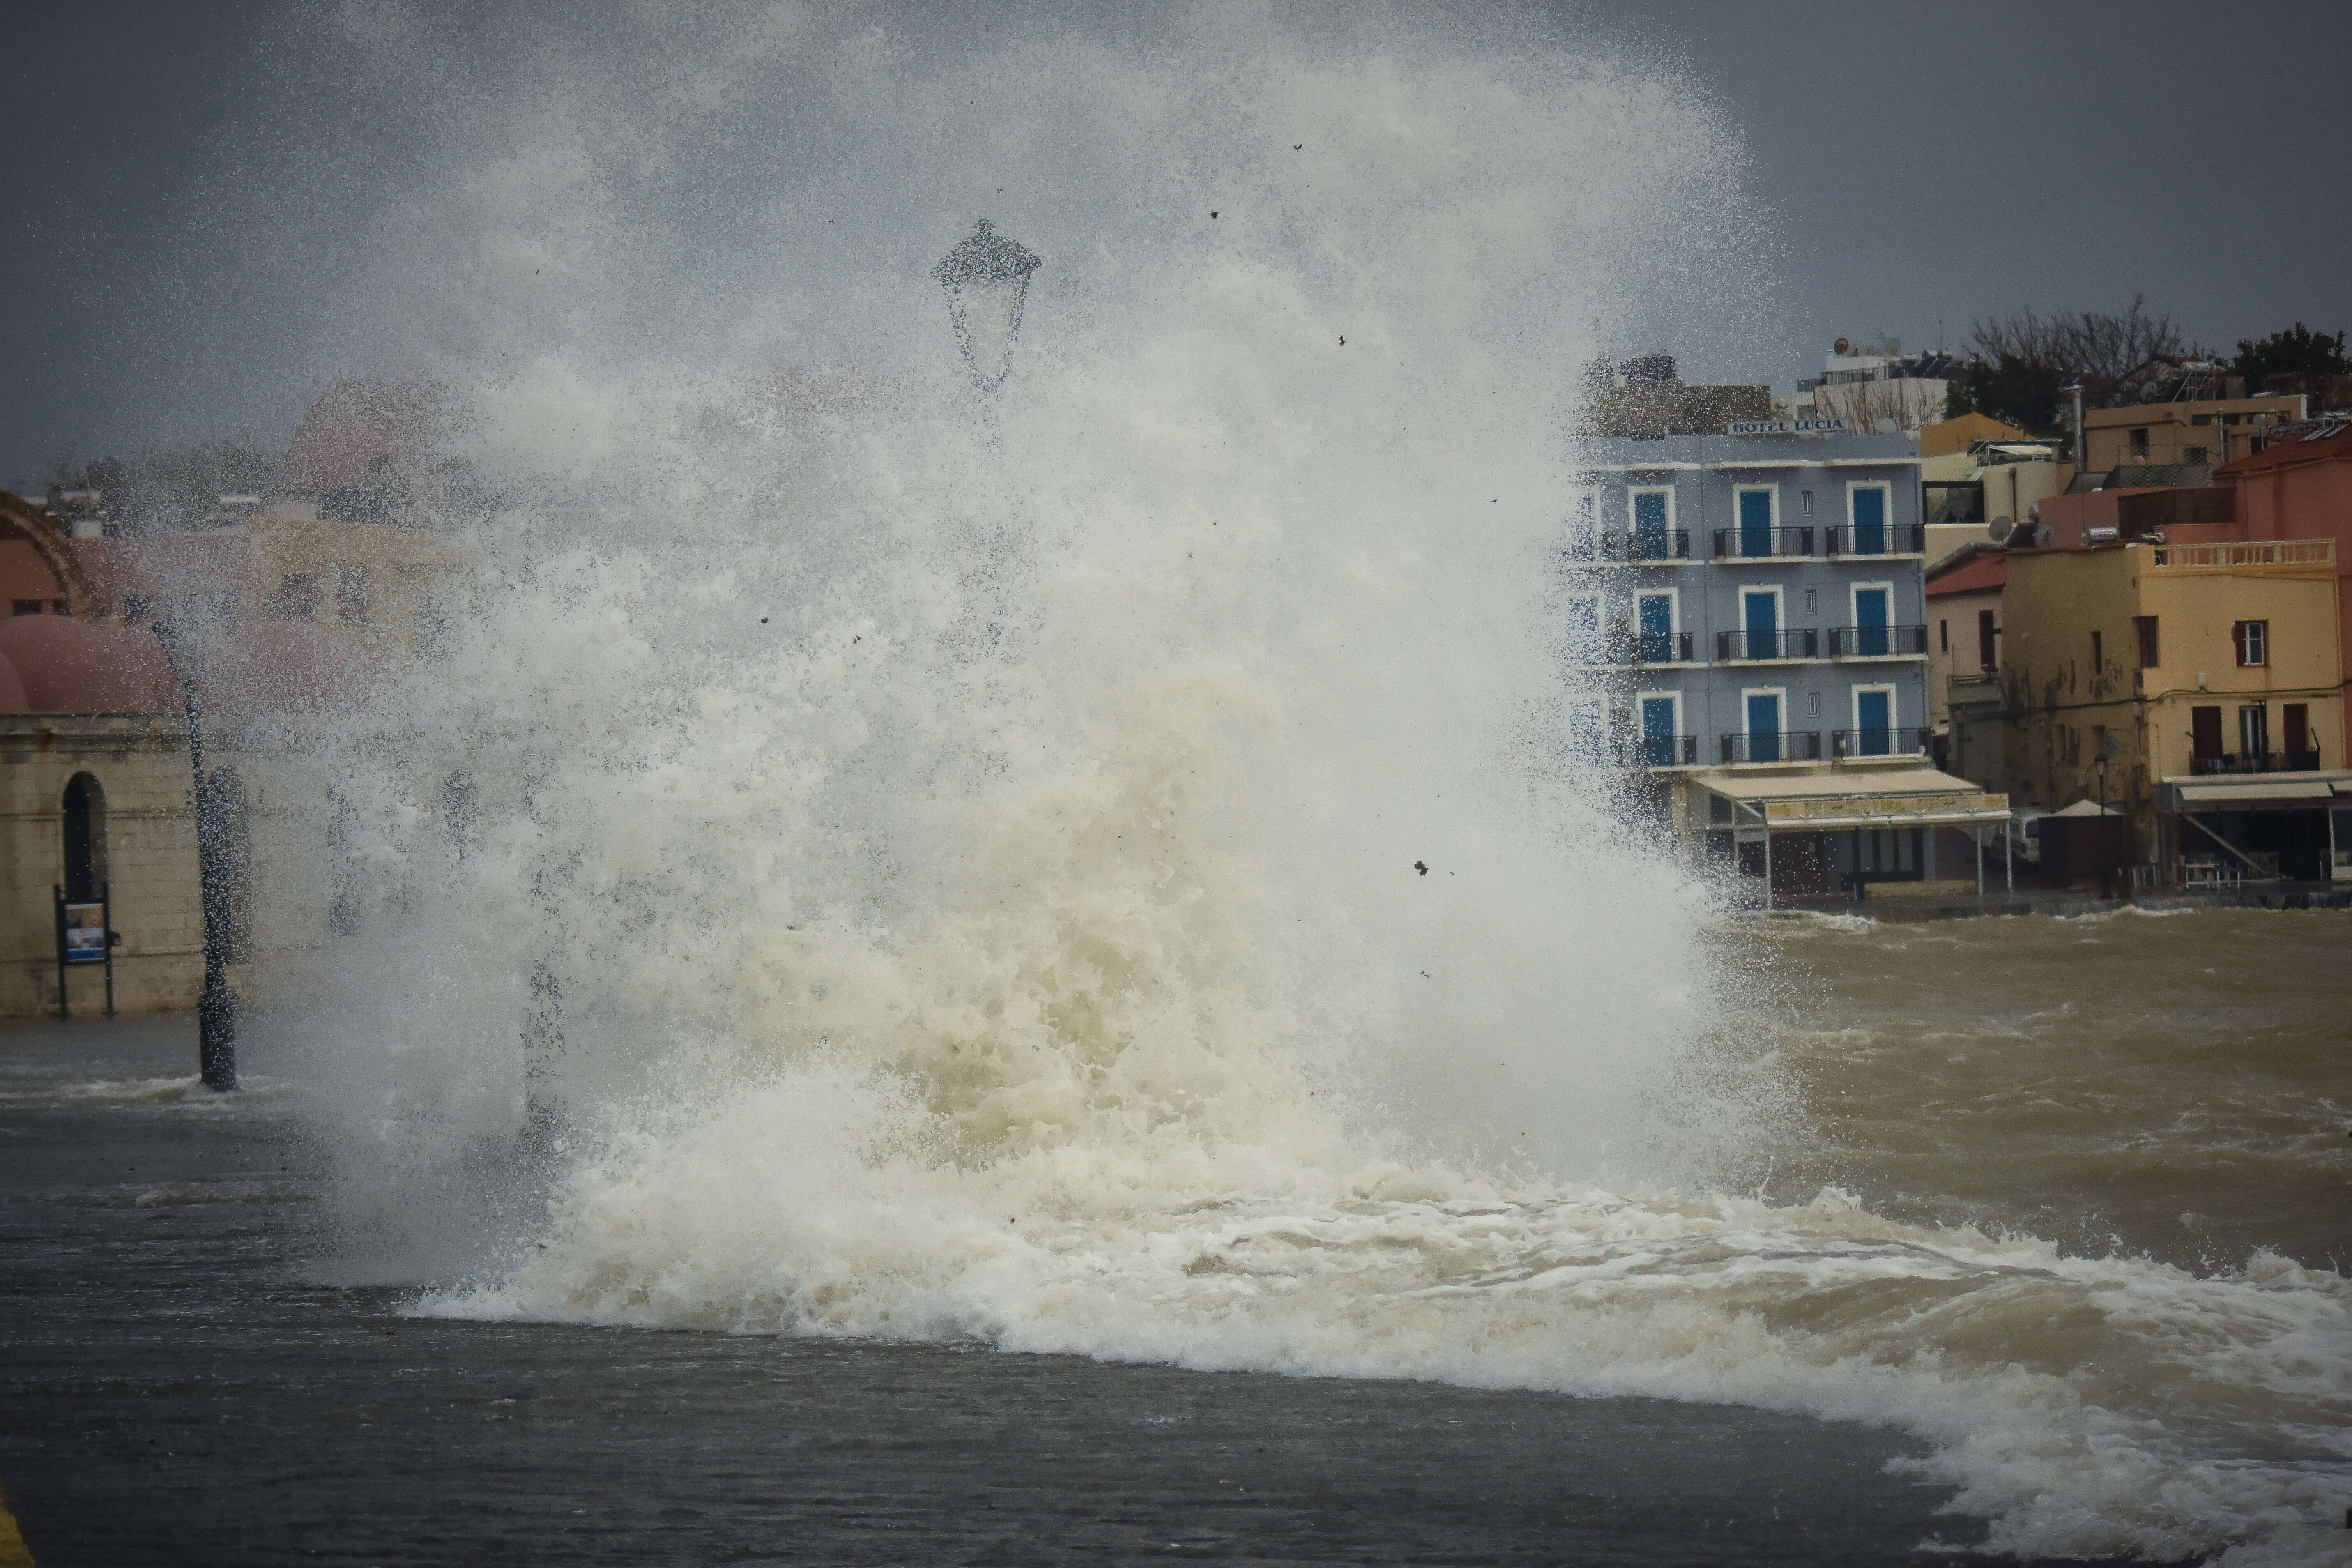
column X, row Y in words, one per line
column 85, row 933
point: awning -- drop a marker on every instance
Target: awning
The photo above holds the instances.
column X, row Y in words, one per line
column 1902, row 797
column 2230, row 793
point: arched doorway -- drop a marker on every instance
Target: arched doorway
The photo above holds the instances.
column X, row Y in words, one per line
column 85, row 812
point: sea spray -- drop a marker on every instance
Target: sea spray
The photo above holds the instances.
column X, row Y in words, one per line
column 1091, row 867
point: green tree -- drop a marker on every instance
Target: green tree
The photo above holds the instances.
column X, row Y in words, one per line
column 2298, row 350
column 2012, row 388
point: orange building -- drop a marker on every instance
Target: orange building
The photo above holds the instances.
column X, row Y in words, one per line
column 2299, row 486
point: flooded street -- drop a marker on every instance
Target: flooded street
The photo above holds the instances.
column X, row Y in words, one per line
column 2175, row 1086
column 178, row 1391
column 186, row 1382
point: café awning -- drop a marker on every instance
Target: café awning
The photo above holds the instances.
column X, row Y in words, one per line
column 1809, row 802
column 2259, row 791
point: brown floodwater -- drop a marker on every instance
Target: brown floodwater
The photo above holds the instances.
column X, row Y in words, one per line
column 2174, row 1086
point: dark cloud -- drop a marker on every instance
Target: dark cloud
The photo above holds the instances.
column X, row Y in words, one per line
column 216, row 210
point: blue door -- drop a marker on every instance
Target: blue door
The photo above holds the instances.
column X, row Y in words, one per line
column 1871, row 638
column 1760, row 614
column 1658, row 612
column 1650, row 526
column 1874, row 716
column 1870, row 521
column 1764, row 729
column 1658, row 731
column 1755, row 523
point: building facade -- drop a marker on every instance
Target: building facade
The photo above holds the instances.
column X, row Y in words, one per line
column 2132, row 668
column 1745, row 617
column 2207, row 432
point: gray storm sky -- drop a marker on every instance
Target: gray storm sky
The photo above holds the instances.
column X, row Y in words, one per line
column 1920, row 166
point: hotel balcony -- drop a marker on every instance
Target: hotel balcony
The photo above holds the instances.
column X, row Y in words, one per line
column 1657, row 751
column 1884, row 542
column 2256, row 762
column 1766, row 544
column 1643, row 547
column 1663, row 649
column 1904, row 740
column 1795, row 644
column 1626, row 749
column 1768, row 746
column 1878, row 642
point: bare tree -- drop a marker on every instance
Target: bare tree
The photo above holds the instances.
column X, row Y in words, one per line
column 2099, row 347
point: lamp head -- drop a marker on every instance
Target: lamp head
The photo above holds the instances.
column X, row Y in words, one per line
column 987, row 280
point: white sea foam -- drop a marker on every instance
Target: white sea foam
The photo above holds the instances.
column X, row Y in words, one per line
column 1089, row 870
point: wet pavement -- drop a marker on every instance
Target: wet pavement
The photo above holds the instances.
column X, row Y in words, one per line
column 178, row 1389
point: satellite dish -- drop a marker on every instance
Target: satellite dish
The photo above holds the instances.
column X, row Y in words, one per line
column 2002, row 527
column 2149, row 392
column 1838, row 347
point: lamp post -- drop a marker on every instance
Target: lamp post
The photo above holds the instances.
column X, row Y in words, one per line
column 2107, row 839
column 987, row 279
column 216, row 1007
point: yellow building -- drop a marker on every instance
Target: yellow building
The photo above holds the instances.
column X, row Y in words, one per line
column 2175, row 663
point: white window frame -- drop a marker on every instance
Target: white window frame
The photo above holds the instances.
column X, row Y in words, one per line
column 1673, row 696
column 1781, row 693
column 1632, row 491
column 1673, row 599
column 1853, row 593
column 1780, row 612
column 1854, row 488
column 1641, row 736
column 1894, row 705
column 1771, row 491
column 1594, row 655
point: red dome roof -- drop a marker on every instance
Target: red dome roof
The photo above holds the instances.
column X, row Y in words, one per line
column 66, row 666
column 11, row 689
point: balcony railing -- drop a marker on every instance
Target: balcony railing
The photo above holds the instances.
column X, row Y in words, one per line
column 1887, row 539
column 1625, row 750
column 1763, row 544
column 2257, row 762
column 1902, row 741
column 1620, row 549
column 1765, row 648
column 1658, row 750
column 2261, row 552
column 1877, row 642
column 1769, row 746
column 1664, row 647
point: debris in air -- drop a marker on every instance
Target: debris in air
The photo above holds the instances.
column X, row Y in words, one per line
column 1421, row 868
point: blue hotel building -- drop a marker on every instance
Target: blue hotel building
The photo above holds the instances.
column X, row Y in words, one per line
column 1746, row 621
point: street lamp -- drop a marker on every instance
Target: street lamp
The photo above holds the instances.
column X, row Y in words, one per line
column 986, row 278
column 216, row 1007
column 2107, row 839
